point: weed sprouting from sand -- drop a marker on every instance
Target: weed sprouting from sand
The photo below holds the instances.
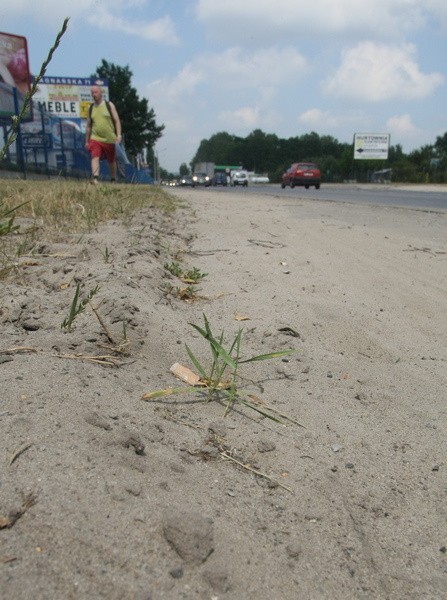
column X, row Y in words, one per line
column 77, row 306
column 187, row 293
column 106, row 254
column 193, row 275
column 220, row 380
column 174, row 268
column 190, row 276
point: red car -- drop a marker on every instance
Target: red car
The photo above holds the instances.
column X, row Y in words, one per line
column 304, row 173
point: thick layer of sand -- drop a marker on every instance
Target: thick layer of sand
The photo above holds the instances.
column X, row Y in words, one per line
column 104, row 495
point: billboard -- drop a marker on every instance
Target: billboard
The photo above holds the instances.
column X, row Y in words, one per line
column 60, row 112
column 14, row 73
column 371, row 146
column 68, row 97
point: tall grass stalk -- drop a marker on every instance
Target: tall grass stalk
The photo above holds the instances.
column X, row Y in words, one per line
column 17, row 119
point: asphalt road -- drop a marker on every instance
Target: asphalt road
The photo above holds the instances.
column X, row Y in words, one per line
column 418, row 197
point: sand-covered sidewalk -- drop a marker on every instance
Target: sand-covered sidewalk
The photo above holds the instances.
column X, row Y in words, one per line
column 104, row 495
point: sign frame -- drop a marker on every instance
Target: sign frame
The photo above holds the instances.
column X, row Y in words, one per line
column 371, row 146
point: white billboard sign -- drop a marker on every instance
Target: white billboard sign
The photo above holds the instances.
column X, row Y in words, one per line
column 371, row 146
column 67, row 97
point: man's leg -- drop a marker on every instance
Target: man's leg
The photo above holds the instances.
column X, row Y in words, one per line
column 95, row 167
column 112, row 167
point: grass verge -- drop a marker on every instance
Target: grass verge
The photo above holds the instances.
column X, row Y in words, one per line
column 48, row 211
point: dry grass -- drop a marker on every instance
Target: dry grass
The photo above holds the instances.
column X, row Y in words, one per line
column 49, row 210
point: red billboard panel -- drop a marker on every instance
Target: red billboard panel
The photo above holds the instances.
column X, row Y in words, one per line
column 14, row 73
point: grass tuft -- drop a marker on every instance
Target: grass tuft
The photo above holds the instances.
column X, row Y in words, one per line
column 220, row 379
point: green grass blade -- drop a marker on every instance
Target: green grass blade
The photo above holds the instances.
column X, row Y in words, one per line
column 202, row 332
column 208, row 337
column 207, row 326
column 68, row 322
column 236, row 343
column 269, row 355
column 261, row 411
column 223, row 354
column 196, row 363
column 217, row 349
column 10, row 211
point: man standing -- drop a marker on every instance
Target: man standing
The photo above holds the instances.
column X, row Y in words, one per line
column 102, row 131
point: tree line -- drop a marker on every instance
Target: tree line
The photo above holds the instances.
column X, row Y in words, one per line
column 266, row 153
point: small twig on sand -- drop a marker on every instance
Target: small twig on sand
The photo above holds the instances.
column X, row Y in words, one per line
column 28, row 501
column 102, row 360
column 103, row 325
column 226, row 456
column 414, row 249
column 18, row 452
column 18, row 349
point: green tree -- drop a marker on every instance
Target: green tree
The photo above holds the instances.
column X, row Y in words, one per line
column 441, row 145
column 183, row 170
column 140, row 130
column 222, row 149
column 260, row 150
column 268, row 153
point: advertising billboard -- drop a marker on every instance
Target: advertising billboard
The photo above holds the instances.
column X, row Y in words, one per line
column 68, row 97
column 371, row 146
column 14, row 73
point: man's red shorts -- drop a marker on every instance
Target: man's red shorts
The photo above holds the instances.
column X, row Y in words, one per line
column 102, row 151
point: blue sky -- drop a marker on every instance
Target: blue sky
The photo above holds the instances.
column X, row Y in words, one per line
column 288, row 67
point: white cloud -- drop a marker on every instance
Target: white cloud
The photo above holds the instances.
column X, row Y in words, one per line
column 329, row 121
column 377, row 72
column 208, row 93
column 48, row 12
column 101, row 14
column 161, row 30
column 261, row 21
column 404, row 132
column 314, row 117
column 261, row 73
column 269, row 66
column 439, row 9
column 247, row 118
column 401, row 125
column 174, row 90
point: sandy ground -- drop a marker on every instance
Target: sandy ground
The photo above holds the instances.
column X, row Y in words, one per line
column 104, row 495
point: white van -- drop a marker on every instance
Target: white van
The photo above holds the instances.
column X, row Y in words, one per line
column 239, row 178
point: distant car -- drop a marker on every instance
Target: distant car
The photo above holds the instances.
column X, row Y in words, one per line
column 259, row 179
column 201, row 179
column 304, row 173
column 219, row 178
column 239, row 178
column 185, row 180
